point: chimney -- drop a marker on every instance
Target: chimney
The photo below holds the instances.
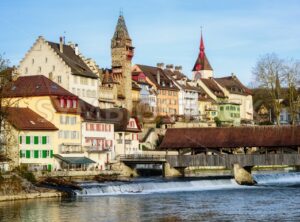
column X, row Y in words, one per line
column 170, row 67
column 61, row 46
column 76, row 49
column 178, row 68
column 158, row 77
column 160, row 65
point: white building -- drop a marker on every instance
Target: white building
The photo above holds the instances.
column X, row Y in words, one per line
column 64, row 65
column 127, row 138
column 97, row 135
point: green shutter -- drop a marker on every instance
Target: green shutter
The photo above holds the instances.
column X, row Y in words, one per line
column 20, row 153
column 27, row 154
column 36, row 154
column 27, row 139
column 20, row 139
column 44, row 140
column 49, row 167
column 36, row 140
column 51, row 153
column 44, row 153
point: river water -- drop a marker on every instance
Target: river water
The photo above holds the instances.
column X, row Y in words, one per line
column 275, row 198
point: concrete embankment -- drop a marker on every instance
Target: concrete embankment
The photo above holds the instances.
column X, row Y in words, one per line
column 25, row 196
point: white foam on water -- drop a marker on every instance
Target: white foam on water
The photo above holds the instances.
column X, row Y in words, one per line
column 277, row 178
column 155, row 187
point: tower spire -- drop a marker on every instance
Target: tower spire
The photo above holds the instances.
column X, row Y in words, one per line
column 202, row 67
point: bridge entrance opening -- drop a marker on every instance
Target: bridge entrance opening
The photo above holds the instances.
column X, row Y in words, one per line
column 148, row 170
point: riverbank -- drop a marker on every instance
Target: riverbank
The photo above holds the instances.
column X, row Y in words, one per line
column 14, row 187
column 25, row 196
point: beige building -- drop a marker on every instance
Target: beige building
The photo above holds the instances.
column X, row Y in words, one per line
column 32, row 141
column 64, row 65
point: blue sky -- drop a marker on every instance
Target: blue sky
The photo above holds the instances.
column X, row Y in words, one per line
column 236, row 33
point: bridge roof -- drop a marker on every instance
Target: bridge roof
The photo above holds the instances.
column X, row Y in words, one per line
column 232, row 137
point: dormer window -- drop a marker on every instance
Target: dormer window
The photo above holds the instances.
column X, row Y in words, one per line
column 74, row 104
column 163, row 83
column 68, row 103
column 62, row 102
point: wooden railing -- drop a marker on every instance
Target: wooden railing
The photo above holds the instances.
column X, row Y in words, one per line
column 142, row 158
column 230, row 159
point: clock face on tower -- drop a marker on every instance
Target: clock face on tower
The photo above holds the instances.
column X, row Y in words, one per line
column 197, row 76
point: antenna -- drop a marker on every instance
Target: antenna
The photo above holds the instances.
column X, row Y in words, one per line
column 121, row 11
column 201, row 29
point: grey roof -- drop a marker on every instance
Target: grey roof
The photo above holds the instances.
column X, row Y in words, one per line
column 77, row 65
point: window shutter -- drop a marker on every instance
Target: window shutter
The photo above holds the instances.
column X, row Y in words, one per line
column 36, row 140
column 44, row 140
column 27, row 154
column 36, row 154
column 44, row 153
column 27, row 139
column 20, row 139
column 51, row 153
column 20, row 153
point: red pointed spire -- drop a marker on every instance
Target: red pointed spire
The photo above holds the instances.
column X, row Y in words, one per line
column 202, row 62
column 202, row 47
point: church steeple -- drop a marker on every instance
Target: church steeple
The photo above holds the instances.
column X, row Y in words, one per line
column 202, row 67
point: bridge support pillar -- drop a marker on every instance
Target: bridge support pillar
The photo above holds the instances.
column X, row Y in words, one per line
column 125, row 171
column 169, row 171
column 242, row 175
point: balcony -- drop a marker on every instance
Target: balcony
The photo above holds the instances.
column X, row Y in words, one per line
column 71, row 149
column 97, row 149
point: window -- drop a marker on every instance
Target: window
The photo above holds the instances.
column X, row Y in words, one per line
column 75, row 79
column 59, row 79
column 39, row 69
column 62, row 102
column 27, row 154
column 83, row 92
column 32, row 61
column 78, row 92
column 60, row 134
column 36, row 140
column 68, row 103
column 66, row 134
column 53, row 68
column 227, row 107
column 44, row 140
column 74, row 104
column 22, row 153
column 67, row 120
column 26, row 70
column 36, row 154
column 46, row 60
column 221, row 108
column 62, row 121
column 27, row 139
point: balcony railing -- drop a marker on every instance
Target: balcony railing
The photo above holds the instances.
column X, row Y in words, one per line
column 98, row 149
column 71, row 149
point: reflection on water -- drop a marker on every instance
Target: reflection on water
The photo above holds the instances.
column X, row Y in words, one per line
column 260, row 203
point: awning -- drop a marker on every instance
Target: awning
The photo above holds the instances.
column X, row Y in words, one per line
column 74, row 160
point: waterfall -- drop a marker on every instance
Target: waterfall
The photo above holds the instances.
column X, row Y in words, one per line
column 280, row 179
column 154, row 186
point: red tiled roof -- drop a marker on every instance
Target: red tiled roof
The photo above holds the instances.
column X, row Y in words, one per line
column 233, row 85
column 232, row 137
column 37, row 85
column 26, row 119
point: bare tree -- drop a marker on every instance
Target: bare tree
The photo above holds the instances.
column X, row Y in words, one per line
column 291, row 77
column 5, row 79
column 269, row 74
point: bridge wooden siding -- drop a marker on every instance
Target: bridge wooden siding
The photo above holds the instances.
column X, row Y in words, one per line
column 182, row 161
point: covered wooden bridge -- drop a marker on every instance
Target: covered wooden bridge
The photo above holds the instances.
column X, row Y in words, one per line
column 242, row 146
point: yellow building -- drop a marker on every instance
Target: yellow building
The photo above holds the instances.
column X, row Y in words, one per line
column 167, row 91
column 57, row 106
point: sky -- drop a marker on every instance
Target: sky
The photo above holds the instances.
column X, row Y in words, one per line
column 236, row 32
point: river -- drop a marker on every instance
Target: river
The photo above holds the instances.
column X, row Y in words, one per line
column 276, row 197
